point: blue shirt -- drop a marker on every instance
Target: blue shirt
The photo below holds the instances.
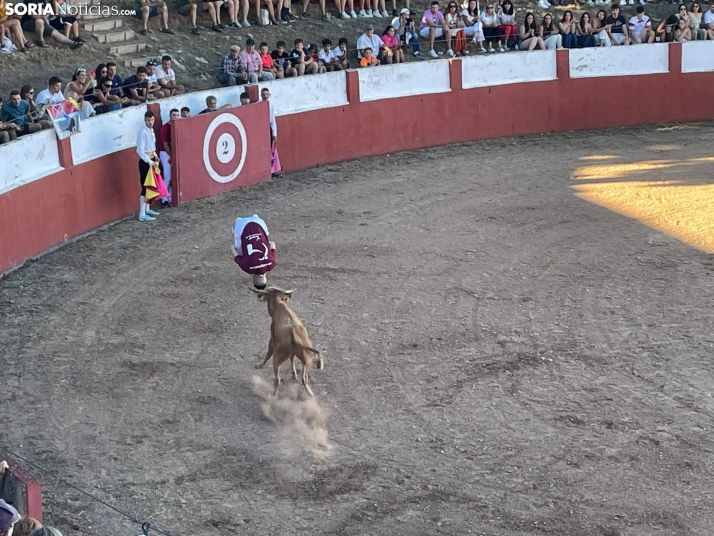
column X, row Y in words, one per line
column 17, row 114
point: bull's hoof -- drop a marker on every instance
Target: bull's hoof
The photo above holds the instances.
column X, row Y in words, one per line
column 259, row 366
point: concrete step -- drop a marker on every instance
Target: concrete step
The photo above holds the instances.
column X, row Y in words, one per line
column 122, row 50
column 115, row 37
column 88, row 17
column 137, row 62
column 102, row 25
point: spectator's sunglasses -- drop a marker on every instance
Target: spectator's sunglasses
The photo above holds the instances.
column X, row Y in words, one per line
column 31, row 92
column 489, row 8
column 683, row 8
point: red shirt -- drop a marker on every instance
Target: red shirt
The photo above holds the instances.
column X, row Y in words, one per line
column 267, row 60
column 256, row 257
column 164, row 136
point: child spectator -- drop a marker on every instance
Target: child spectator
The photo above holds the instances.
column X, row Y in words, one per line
column 302, row 60
column 641, row 27
column 185, row 112
column 472, row 24
column 342, row 54
column 327, row 57
column 368, row 60
column 165, row 154
column 549, row 33
column 369, row 40
column 250, row 58
column 390, row 40
column 312, row 50
column 245, row 101
column 269, row 64
column 282, row 58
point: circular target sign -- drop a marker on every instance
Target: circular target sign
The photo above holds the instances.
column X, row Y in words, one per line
column 224, row 148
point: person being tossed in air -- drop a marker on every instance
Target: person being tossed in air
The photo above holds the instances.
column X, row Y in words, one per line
column 252, row 250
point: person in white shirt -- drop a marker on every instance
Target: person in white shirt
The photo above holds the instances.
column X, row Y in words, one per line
column 154, row 88
column 53, row 93
column 641, row 27
column 709, row 22
column 146, row 149
column 489, row 23
column 472, row 24
column 275, row 167
column 327, row 57
column 166, row 77
column 369, row 40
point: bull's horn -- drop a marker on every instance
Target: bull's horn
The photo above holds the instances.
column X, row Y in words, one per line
column 288, row 291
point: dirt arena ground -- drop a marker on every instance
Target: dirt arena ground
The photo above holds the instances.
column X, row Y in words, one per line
column 503, row 356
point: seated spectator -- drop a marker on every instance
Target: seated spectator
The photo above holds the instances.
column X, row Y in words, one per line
column 616, row 27
column 709, row 21
column 232, row 71
column 27, row 93
column 244, row 99
column 282, row 58
column 40, row 24
column 342, row 54
column 46, row 531
column 507, row 23
column 253, row 64
column 641, row 27
column 323, row 10
column 137, row 87
column 530, row 40
column 375, row 43
column 64, row 22
column 376, row 6
column 368, row 60
column 312, row 50
column 342, row 6
column 242, row 20
column 489, row 20
column 568, row 30
column 100, row 72
column 433, row 25
column 665, row 30
column 584, row 32
column 81, row 85
column 117, row 82
column 302, row 59
column 600, row 30
column 14, row 113
column 189, row 8
column 270, row 7
column 549, row 33
column 695, row 23
column 151, row 9
column 472, row 25
column 327, row 57
column 166, row 77
column 53, row 93
column 211, row 106
column 456, row 25
column 106, row 101
column 404, row 26
column 11, row 27
column 683, row 32
column 185, row 112
column 269, row 64
column 155, row 90
column 25, row 526
column 392, row 42
column 231, row 6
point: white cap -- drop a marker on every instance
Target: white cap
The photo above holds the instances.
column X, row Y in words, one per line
column 259, row 281
column 405, row 10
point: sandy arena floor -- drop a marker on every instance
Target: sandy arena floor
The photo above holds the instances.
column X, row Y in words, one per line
column 516, row 344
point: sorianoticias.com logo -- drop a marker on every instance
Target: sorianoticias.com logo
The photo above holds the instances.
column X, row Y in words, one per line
column 65, row 10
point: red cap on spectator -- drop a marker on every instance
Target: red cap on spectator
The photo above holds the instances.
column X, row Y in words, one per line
column 8, row 516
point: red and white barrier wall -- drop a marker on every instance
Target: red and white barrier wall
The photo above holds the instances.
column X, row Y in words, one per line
column 52, row 191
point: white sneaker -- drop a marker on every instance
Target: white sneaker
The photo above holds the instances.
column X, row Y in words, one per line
column 146, row 218
column 377, row 14
column 631, row 2
column 345, row 15
column 491, row 50
column 642, row 2
column 482, row 50
column 433, row 53
column 353, row 14
column 450, row 53
column 385, row 13
column 543, row 4
column 502, row 49
column 246, row 24
column 623, row 2
column 369, row 13
column 363, row 13
column 416, row 54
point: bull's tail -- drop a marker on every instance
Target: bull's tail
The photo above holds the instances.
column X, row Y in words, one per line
column 320, row 361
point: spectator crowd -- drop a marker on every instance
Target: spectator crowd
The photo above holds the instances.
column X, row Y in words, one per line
column 495, row 28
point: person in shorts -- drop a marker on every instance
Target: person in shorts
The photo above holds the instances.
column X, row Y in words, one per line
column 149, row 10
column 616, row 25
column 252, row 250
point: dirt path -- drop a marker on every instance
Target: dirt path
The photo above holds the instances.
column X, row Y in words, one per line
column 502, row 356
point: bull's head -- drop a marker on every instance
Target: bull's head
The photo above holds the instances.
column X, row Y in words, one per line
column 273, row 296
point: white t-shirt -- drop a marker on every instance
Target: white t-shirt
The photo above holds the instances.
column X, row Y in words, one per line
column 506, row 19
column 486, row 19
column 338, row 52
column 709, row 17
column 167, row 77
column 637, row 25
column 152, row 78
column 326, row 57
column 240, row 225
column 465, row 13
column 46, row 95
column 365, row 42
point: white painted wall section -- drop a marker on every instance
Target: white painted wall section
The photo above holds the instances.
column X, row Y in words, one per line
column 502, row 69
column 698, row 57
column 27, row 159
column 305, row 93
column 107, row 133
column 619, row 61
column 403, row 80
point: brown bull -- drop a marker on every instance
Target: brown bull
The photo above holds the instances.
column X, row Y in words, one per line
column 288, row 337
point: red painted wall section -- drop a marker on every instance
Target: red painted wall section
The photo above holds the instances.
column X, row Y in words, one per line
column 33, row 489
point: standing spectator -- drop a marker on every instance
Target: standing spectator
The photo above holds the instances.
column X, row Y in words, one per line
column 8, row 516
column 12, row 27
column 394, row 44
column 189, row 8
column 244, row 99
column 232, row 71
column 302, row 60
column 166, row 77
column 253, row 64
column 40, row 24
column 433, row 25
column 327, row 56
column 146, row 149
column 27, row 93
column 165, row 154
column 617, row 25
column 137, row 87
column 404, row 26
column 530, row 40
column 53, row 93
column 695, row 23
column 368, row 60
column 64, row 22
column 375, row 43
column 549, row 33
column 185, row 112
column 584, row 31
column 456, row 25
column 269, row 64
column 507, row 23
column 212, row 106
column 81, row 85
column 282, row 58
column 683, row 32
column 151, row 9
column 106, row 101
column 709, row 21
column 275, row 167
column 568, row 28
column 472, row 24
column 155, row 91
column 342, row 54
column 641, row 27
column 489, row 20
column 600, row 29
